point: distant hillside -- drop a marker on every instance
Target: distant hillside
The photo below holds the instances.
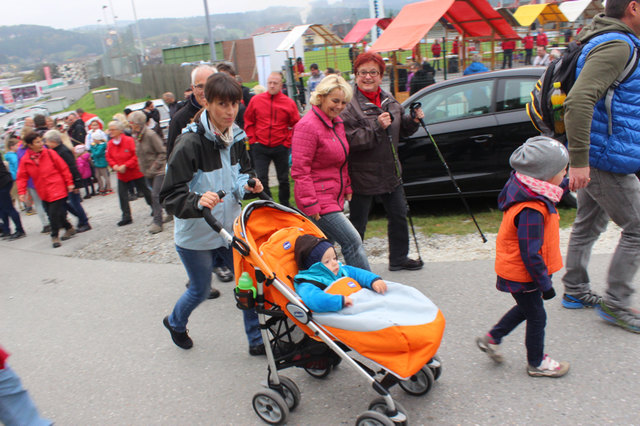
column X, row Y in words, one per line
column 31, row 44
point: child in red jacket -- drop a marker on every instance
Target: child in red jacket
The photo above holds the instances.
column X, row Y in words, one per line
column 528, row 249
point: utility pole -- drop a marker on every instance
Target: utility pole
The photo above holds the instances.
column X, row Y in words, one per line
column 139, row 36
column 212, row 46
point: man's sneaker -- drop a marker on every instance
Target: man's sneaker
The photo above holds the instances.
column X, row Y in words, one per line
column 626, row 319
column 55, row 242
column 46, row 229
column 68, row 234
column 408, row 264
column 17, row 235
column 587, row 299
column 549, row 368
column 125, row 221
column 257, row 350
column 83, row 228
column 181, row 339
column 491, row 349
column 30, row 211
column 214, row 293
column 155, row 229
column 223, row 273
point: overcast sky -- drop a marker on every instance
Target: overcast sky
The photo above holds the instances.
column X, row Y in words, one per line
column 68, row 14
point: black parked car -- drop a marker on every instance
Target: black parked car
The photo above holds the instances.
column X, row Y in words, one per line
column 477, row 121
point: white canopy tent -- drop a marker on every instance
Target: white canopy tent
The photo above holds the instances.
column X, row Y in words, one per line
column 586, row 9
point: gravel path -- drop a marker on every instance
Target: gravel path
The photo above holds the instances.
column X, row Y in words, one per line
column 133, row 243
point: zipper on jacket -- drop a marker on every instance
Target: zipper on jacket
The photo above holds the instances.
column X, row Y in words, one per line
column 343, row 164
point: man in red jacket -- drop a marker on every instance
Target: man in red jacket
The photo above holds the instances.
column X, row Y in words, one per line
column 268, row 122
column 121, row 156
column 436, row 50
column 507, row 53
column 527, row 41
column 541, row 38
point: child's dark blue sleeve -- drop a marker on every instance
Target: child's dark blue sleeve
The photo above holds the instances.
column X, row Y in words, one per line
column 530, row 240
column 317, row 300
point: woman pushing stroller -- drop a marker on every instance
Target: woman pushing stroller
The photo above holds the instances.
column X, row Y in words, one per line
column 210, row 157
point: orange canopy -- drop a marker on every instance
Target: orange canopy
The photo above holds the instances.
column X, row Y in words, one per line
column 411, row 25
column 471, row 18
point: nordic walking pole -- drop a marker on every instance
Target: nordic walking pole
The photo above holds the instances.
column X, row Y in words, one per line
column 397, row 162
column 415, row 105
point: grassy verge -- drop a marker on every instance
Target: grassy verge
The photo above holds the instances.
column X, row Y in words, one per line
column 447, row 217
column 106, row 114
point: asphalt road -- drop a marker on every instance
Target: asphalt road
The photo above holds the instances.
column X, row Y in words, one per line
column 87, row 339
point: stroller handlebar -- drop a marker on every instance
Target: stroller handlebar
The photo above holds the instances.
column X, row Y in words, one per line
column 262, row 195
column 236, row 243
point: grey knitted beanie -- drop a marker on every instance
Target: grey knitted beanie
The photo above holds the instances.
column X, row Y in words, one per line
column 540, row 157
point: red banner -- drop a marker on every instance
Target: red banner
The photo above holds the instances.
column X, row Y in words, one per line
column 47, row 75
column 6, row 95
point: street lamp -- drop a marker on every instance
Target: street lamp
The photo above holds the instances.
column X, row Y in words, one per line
column 212, row 46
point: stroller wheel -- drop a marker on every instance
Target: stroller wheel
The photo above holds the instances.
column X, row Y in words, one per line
column 420, row 383
column 271, row 407
column 290, row 392
column 373, row 418
column 318, row 373
column 380, row 405
column 436, row 367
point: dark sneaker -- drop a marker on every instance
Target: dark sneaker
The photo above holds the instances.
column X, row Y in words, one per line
column 214, row 293
column 46, row 229
column 223, row 273
column 579, row 301
column 549, row 368
column 86, row 197
column 491, row 349
column 181, row 339
column 55, row 242
column 17, row 235
column 626, row 319
column 5, row 235
column 408, row 264
column 132, row 197
column 83, row 228
column 68, row 234
column 124, row 222
column 257, row 350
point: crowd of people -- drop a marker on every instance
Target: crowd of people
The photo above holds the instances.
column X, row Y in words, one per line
column 344, row 148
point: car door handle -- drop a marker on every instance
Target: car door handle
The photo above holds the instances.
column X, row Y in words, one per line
column 481, row 138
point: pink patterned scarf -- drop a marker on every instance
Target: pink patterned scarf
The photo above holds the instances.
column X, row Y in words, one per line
column 541, row 187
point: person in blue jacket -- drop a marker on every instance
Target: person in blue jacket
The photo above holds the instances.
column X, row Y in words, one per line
column 475, row 66
column 319, row 268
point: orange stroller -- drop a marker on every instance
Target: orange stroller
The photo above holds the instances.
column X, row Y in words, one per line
column 402, row 347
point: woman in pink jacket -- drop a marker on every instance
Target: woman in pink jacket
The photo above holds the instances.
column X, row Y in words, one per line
column 319, row 151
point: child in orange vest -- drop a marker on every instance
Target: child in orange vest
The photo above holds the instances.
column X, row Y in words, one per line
column 528, row 249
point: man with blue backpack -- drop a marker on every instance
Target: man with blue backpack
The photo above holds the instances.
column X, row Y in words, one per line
column 603, row 134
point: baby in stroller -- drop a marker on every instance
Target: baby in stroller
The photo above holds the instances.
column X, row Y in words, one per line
column 319, row 268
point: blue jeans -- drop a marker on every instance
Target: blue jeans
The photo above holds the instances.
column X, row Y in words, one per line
column 199, row 266
column 16, row 406
column 74, row 206
column 338, row 228
column 608, row 195
column 529, row 307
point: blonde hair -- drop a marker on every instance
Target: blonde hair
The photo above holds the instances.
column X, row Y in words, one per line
column 329, row 83
column 257, row 89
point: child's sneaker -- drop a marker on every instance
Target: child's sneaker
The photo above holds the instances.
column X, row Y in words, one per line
column 549, row 368
column 491, row 349
column 626, row 319
column 587, row 299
